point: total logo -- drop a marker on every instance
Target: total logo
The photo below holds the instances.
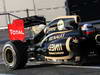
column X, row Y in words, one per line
column 14, row 32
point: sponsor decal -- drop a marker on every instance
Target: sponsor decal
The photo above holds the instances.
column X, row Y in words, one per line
column 56, row 37
column 55, row 49
column 15, row 32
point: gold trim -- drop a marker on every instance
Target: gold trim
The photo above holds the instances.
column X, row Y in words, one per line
column 53, row 34
column 58, row 58
column 96, row 38
column 61, row 32
column 68, row 43
column 68, row 47
column 73, row 16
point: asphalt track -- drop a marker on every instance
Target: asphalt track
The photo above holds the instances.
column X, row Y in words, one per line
column 46, row 69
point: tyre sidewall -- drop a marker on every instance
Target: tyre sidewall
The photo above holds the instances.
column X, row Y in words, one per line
column 10, row 46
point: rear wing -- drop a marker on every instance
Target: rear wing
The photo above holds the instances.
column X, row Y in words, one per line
column 33, row 20
column 17, row 28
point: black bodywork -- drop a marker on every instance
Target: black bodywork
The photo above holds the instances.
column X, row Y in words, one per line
column 61, row 41
column 68, row 44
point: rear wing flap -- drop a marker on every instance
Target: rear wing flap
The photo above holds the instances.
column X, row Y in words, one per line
column 33, row 20
column 17, row 28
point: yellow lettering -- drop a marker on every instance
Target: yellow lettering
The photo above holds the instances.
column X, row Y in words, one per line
column 54, row 53
column 56, row 37
column 55, row 47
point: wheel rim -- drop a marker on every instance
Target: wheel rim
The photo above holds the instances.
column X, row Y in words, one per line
column 9, row 56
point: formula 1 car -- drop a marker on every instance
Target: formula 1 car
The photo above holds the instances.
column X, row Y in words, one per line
column 60, row 41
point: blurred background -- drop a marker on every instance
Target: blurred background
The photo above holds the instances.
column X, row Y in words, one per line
column 47, row 8
column 87, row 9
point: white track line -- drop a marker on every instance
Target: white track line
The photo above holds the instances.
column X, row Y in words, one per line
column 6, row 74
column 86, row 67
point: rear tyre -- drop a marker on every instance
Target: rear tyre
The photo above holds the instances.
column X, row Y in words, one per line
column 14, row 54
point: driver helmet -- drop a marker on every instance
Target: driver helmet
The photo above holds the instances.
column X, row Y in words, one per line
column 88, row 29
column 61, row 25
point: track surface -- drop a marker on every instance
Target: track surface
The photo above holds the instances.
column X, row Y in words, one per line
column 52, row 70
column 46, row 69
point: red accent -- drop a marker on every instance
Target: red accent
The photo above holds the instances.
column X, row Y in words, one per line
column 88, row 33
column 16, row 30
